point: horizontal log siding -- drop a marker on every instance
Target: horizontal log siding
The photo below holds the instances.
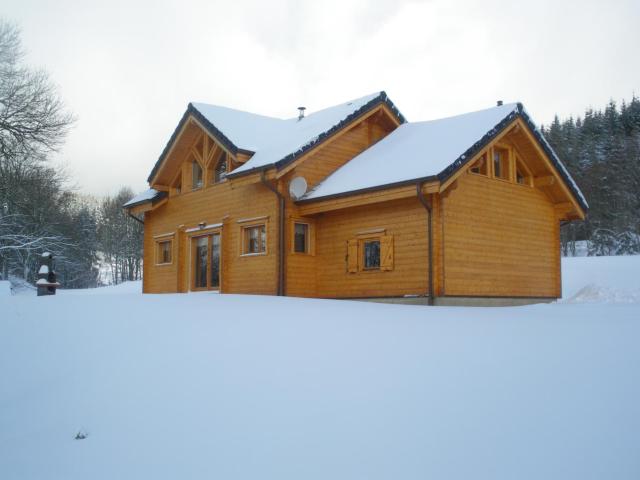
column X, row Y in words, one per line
column 500, row 239
column 253, row 274
column 404, row 219
column 331, row 156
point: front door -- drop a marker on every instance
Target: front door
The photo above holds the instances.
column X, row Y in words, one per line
column 205, row 254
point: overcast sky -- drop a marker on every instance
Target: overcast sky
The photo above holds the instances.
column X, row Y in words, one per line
column 128, row 69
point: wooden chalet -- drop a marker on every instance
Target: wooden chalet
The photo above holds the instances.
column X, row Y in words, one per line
column 355, row 202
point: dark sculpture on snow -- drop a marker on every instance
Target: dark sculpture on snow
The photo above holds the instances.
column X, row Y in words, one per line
column 46, row 283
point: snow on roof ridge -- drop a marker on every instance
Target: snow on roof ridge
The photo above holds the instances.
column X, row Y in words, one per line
column 504, row 106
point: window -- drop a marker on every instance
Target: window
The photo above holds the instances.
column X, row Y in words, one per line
column 196, row 170
column 371, row 252
column 301, row 238
column 163, row 252
column 220, row 169
column 176, row 186
column 522, row 173
column 501, row 163
column 254, row 239
column 480, row 165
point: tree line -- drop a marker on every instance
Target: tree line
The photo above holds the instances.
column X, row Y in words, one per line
column 38, row 211
column 602, row 152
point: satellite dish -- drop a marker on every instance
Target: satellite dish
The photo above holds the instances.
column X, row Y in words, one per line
column 297, row 188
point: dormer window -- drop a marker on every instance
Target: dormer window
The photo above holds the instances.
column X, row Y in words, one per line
column 196, row 170
column 220, row 169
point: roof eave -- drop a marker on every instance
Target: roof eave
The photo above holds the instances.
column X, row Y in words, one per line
column 155, row 199
column 374, row 188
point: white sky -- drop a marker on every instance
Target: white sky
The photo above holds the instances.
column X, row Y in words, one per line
column 128, row 69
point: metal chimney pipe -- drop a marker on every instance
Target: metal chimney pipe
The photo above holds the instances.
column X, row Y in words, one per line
column 301, row 112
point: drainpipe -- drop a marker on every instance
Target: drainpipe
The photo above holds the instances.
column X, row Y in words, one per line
column 427, row 205
column 135, row 218
column 281, row 252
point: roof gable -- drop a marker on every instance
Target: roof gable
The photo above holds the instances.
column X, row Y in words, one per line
column 272, row 141
column 432, row 150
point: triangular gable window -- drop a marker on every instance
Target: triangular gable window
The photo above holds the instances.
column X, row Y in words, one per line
column 196, row 175
column 221, row 168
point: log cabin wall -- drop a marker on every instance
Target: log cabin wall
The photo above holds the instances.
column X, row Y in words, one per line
column 301, row 269
column 404, row 220
column 499, row 239
column 219, row 203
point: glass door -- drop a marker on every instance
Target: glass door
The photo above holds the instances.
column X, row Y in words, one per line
column 214, row 283
column 201, row 261
column 206, row 255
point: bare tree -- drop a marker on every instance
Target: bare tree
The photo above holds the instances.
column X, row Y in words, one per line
column 33, row 118
column 33, row 123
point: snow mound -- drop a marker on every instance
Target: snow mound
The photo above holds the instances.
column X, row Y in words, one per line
column 612, row 273
column 5, row 288
column 594, row 293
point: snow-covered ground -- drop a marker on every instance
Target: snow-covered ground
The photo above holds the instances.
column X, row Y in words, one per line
column 227, row 386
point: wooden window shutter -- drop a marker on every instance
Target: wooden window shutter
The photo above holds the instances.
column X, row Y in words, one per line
column 386, row 252
column 352, row 256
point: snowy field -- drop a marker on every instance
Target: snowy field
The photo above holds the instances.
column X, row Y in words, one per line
column 244, row 387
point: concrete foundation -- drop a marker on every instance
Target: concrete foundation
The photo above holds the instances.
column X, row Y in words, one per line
column 461, row 301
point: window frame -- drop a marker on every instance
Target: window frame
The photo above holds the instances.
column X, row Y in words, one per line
column 158, row 251
column 504, row 162
column 222, row 158
column 310, row 240
column 194, row 186
column 244, row 229
column 385, row 241
column 362, row 253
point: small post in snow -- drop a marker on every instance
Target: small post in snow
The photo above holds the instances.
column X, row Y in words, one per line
column 46, row 283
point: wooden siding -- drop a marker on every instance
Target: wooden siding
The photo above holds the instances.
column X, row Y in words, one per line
column 213, row 204
column 499, row 239
column 327, row 158
column 405, row 219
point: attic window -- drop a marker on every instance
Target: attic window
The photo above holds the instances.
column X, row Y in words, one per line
column 480, row 166
column 501, row 163
column 176, row 188
column 522, row 174
column 220, row 169
column 196, row 170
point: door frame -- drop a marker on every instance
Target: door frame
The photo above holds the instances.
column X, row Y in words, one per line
column 192, row 239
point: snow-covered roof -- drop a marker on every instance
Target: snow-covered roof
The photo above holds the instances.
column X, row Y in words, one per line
column 146, row 196
column 431, row 149
column 412, row 151
column 274, row 141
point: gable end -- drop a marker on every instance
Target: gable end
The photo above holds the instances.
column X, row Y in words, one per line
column 519, row 112
column 211, row 129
